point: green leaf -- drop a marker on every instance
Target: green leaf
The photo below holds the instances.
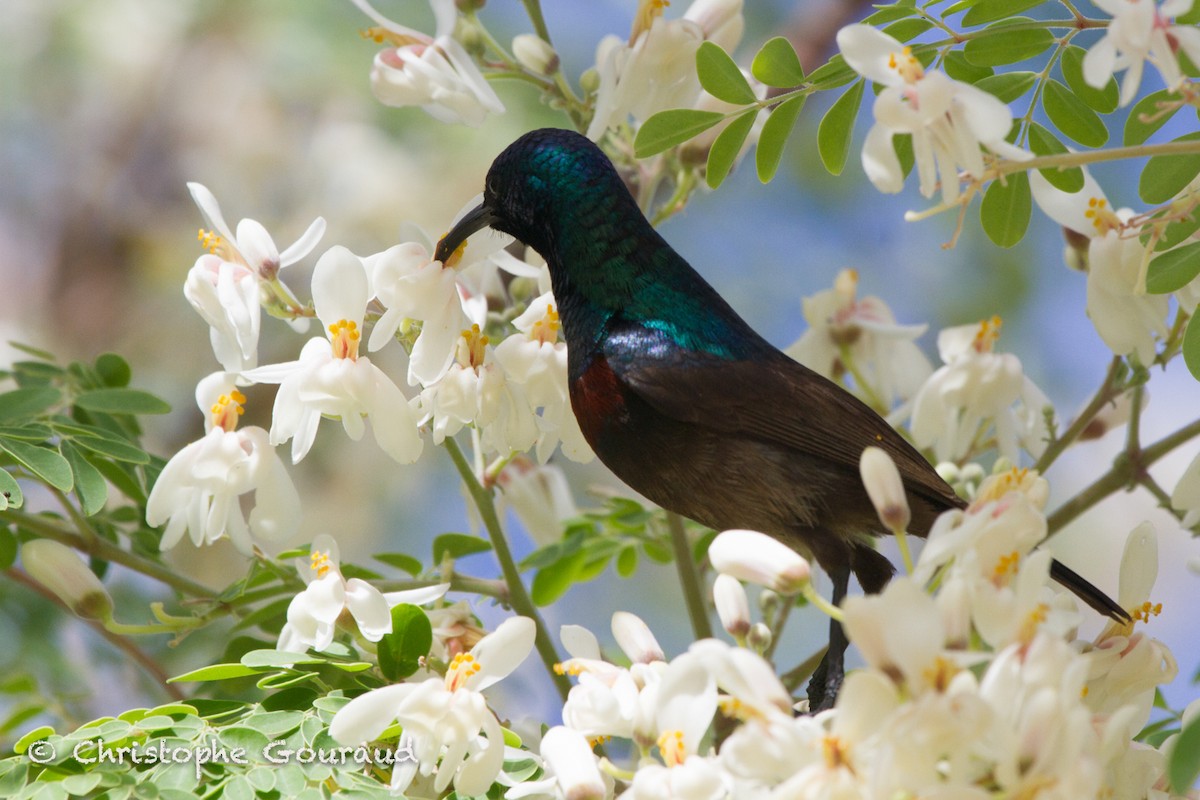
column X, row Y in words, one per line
column 957, row 67
column 1173, row 269
column 552, row 582
column 215, row 672
column 1166, row 176
column 1183, row 765
column 990, row 10
column 113, row 370
column 90, row 487
column 400, row 561
column 836, row 129
column 1072, row 116
column 908, row 29
column 888, row 14
column 721, row 77
column 401, row 650
column 1008, row 86
column 1044, row 143
column 774, row 136
column 1001, row 46
column 29, row 432
column 35, row 735
column 114, row 448
column 725, row 148
column 1103, row 100
column 1006, row 209
column 1191, row 347
column 627, row 561
column 1176, row 232
column 777, row 64
column 277, row 659
column 47, row 464
column 669, row 128
column 457, row 545
column 833, row 73
column 10, row 491
column 21, row 404
column 29, row 349
column 122, row 401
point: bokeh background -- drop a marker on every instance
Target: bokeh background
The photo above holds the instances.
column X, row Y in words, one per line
column 108, row 108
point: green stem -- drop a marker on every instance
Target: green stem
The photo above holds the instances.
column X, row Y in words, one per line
column 1085, row 157
column 1125, row 470
column 534, row 9
column 1104, row 395
column 105, row 550
column 518, row 598
column 689, row 578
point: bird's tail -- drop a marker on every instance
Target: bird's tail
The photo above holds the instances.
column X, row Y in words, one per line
column 1086, row 592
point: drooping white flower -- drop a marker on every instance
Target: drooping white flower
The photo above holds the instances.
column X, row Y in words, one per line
column 435, row 73
column 882, row 352
column 314, row 612
column 1140, row 31
column 758, row 558
column 332, row 379
column 224, row 286
column 540, row 495
column 1127, row 318
column 569, row 757
column 974, row 387
column 656, row 69
column 198, row 490
column 453, row 731
column 948, row 119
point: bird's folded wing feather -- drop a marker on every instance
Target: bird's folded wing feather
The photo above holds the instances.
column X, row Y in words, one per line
column 779, row 401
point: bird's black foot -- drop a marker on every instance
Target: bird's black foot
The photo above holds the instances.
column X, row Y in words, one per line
column 827, row 680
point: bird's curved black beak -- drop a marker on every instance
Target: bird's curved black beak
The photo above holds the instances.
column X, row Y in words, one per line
column 476, row 219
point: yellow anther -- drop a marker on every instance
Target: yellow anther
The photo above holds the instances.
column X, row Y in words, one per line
column 1103, row 218
column 648, row 11
column 988, row 333
column 381, row 35
column 545, row 330
column 1083, row 692
column 938, row 674
column 1006, row 567
column 572, row 667
column 907, row 65
column 835, row 752
column 1033, row 621
column 1146, row 610
column 344, row 337
column 674, row 751
column 320, row 563
column 599, row 740
column 461, row 668
column 227, row 409
column 472, row 347
column 209, row 241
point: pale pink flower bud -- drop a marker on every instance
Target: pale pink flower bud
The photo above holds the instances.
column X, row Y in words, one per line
column 535, row 54
column 756, row 557
column 885, row 488
column 732, row 606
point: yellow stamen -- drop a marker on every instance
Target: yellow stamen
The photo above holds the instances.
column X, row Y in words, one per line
column 673, row 750
column 454, row 258
column 1103, row 218
column 995, row 487
column 906, row 65
column 1033, row 621
column 320, row 563
column 836, row 753
column 344, row 337
column 461, row 668
column 472, row 347
column 1006, row 568
column 381, row 35
column 227, row 409
column 988, row 333
column 1146, row 610
column 938, row 674
column 648, row 11
column 545, row 330
column 595, row 741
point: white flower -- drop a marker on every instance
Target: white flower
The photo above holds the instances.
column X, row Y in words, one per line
column 733, row 607
column 435, row 73
column 63, row 572
column 948, row 119
column 1126, row 317
column 330, row 378
column 313, row 613
column 757, row 558
column 977, row 385
column 447, row 718
column 540, row 495
column 569, row 757
column 656, row 69
column 882, row 481
column 1139, row 31
column 224, row 285
column 198, row 490
column 881, row 352
column 536, row 360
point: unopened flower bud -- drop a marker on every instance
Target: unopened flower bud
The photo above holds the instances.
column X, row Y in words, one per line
column 634, row 637
column 589, row 81
column 756, row 557
column 759, row 638
column 535, row 54
column 885, row 488
column 1113, row 414
column 60, row 570
column 733, row 607
column 570, row 758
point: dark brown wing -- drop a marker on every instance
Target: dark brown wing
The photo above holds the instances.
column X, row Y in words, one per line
column 779, row 401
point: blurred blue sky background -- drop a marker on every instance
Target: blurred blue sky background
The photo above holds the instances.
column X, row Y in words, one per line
column 106, row 109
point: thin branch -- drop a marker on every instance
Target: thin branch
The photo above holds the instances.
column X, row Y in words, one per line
column 689, row 578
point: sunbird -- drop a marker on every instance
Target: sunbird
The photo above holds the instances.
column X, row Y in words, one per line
column 684, row 401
